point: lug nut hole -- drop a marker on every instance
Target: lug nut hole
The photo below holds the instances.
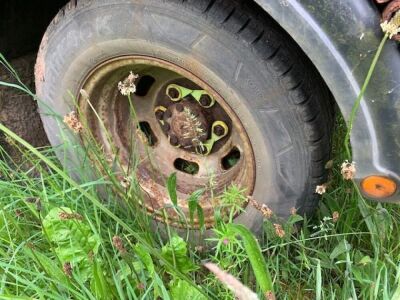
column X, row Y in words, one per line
column 186, row 166
column 219, row 130
column 231, row 159
column 205, row 100
column 144, row 85
column 173, row 93
column 174, row 140
column 146, row 129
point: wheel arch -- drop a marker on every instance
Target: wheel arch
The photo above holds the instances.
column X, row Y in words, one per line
column 341, row 38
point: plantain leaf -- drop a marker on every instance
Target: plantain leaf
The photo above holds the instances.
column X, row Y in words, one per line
column 171, row 186
column 176, row 253
column 342, row 247
column 75, row 242
column 193, row 202
column 181, row 290
column 145, row 257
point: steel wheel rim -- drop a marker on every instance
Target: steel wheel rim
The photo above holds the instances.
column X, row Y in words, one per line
column 152, row 170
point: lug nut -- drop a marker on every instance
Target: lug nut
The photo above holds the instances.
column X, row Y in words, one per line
column 159, row 114
column 173, row 93
column 168, row 114
column 179, row 107
column 205, row 100
column 166, row 126
column 173, row 140
column 219, row 130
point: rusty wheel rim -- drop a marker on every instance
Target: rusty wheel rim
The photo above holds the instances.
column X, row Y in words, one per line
column 162, row 145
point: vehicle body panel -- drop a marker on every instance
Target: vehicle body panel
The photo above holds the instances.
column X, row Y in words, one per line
column 341, row 38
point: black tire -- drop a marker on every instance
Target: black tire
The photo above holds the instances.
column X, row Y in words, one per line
column 238, row 50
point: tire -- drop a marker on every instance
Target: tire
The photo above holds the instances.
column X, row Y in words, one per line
column 238, row 50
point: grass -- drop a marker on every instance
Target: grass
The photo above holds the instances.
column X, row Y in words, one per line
column 60, row 240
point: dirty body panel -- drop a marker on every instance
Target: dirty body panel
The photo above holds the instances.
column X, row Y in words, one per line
column 341, row 38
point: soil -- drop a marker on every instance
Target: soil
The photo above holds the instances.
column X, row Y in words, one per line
column 18, row 111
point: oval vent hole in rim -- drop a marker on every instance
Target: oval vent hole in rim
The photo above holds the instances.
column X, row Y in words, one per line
column 143, row 85
column 231, row 159
column 186, row 166
column 146, row 129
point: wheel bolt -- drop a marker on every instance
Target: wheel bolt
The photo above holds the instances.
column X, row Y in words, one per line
column 168, row 114
column 173, row 140
column 159, row 114
column 166, row 126
column 219, row 130
column 205, row 100
column 173, row 93
column 179, row 107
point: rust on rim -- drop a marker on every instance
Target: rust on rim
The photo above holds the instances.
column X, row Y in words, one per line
column 159, row 136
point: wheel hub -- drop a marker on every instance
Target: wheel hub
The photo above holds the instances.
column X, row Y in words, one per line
column 187, row 125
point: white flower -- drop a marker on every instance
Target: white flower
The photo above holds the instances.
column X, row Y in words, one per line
column 392, row 27
column 348, row 170
column 321, row 189
column 128, row 86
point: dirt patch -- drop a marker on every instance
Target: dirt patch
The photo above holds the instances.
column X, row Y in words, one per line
column 19, row 111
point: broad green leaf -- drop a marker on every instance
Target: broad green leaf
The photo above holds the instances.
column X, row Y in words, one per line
column 193, row 202
column 171, row 186
column 181, row 290
column 293, row 219
column 341, row 248
column 145, row 258
column 176, row 252
column 365, row 260
column 256, row 258
column 75, row 242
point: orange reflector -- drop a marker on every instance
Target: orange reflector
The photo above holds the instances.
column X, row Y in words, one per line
column 378, row 186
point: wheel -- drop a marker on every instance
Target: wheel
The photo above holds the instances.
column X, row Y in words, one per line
column 222, row 93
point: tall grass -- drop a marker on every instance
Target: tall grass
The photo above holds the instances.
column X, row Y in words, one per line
column 60, row 240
